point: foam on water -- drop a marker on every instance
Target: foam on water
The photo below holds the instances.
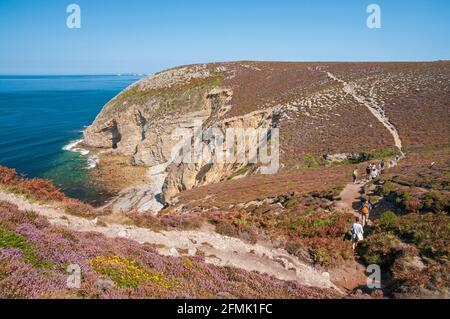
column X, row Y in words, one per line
column 91, row 160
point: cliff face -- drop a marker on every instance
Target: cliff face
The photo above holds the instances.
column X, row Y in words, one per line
column 139, row 121
column 319, row 109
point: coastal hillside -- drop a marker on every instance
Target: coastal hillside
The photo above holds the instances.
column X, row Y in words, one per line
column 325, row 112
column 172, row 228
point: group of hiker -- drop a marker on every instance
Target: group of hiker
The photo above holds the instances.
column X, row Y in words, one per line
column 373, row 171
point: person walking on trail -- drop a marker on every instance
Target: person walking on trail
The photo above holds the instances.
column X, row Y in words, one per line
column 382, row 166
column 357, row 233
column 374, row 171
column 364, row 211
column 355, row 176
column 368, row 170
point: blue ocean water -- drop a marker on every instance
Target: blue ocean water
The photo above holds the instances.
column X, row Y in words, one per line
column 39, row 115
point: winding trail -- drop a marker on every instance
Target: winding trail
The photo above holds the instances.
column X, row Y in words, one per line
column 218, row 250
column 350, row 196
column 373, row 107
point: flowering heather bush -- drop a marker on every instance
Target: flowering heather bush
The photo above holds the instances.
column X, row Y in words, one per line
column 12, row 240
column 137, row 270
column 19, row 279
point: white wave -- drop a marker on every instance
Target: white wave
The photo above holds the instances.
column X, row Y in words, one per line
column 92, row 160
column 72, row 146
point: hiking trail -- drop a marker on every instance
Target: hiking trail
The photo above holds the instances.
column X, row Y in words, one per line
column 373, row 107
column 219, row 250
column 350, row 198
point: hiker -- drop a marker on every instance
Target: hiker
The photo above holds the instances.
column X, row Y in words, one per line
column 368, row 170
column 355, row 176
column 364, row 211
column 382, row 165
column 369, row 203
column 357, row 233
column 374, row 172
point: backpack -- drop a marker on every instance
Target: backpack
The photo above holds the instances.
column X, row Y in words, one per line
column 365, row 209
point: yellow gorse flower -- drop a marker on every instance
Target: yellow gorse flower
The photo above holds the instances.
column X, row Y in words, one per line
column 125, row 272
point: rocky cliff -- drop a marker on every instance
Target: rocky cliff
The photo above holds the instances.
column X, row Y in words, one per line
column 320, row 109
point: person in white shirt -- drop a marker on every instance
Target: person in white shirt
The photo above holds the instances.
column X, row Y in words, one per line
column 374, row 172
column 357, row 233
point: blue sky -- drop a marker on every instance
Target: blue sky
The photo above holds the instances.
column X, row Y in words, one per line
column 147, row 36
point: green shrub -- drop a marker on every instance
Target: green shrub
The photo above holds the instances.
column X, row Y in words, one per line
column 226, row 228
column 291, row 202
column 388, row 221
column 434, row 202
column 378, row 249
column 388, row 188
column 320, row 256
column 410, row 203
column 384, row 153
column 310, row 161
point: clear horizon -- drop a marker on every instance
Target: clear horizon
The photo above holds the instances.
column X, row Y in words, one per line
column 149, row 73
column 143, row 37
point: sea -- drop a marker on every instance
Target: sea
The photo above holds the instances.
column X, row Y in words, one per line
column 42, row 118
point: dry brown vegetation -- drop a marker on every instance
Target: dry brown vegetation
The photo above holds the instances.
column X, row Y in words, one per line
column 43, row 191
column 295, row 210
column 254, row 187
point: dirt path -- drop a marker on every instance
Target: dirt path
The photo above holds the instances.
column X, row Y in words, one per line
column 373, row 107
column 219, row 250
column 350, row 198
